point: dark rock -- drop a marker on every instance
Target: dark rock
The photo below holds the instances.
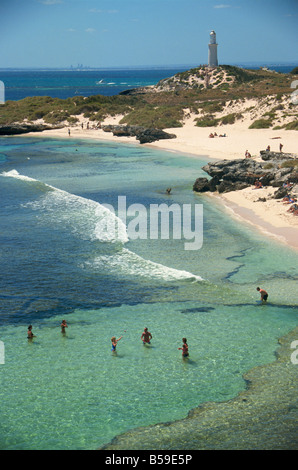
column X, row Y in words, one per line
column 151, row 135
column 142, row 134
column 232, row 175
column 280, row 193
column 266, row 156
column 227, row 186
column 201, row 185
column 16, row 129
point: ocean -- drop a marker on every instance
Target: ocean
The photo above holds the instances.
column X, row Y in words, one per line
column 62, row 258
column 68, row 83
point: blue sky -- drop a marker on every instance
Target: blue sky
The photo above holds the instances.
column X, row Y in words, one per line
column 111, row 33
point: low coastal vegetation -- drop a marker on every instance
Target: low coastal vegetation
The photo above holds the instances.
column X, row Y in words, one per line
column 218, row 97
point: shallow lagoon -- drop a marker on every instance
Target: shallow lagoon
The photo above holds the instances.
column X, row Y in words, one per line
column 71, row 392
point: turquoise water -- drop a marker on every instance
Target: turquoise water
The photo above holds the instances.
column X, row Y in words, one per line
column 72, row 392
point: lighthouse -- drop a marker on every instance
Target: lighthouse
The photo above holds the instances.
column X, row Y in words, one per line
column 212, row 56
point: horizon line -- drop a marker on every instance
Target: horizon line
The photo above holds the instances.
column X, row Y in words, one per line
column 140, row 67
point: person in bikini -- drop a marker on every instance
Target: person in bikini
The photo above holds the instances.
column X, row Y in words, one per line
column 30, row 335
column 63, row 326
column 114, row 342
column 184, row 348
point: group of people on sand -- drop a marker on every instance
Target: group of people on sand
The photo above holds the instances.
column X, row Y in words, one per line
column 290, row 199
column 214, row 134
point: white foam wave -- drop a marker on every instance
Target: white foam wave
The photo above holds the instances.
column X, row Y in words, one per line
column 91, row 220
column 16, row 174
column 126, row 263
column 85, row 217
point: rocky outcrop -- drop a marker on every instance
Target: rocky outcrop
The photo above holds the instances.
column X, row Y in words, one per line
column 267, row 156
column 142, row 134
column 16, row 129
column 232, row 175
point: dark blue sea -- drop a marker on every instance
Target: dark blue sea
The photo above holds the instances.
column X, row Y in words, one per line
column 67, row 83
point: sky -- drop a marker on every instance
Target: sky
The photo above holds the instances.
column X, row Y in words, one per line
column 124, row 33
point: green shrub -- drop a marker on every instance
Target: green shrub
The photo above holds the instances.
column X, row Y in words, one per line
column 289, row 164
column 292, row 126
column 261, row 124
column 207, row 122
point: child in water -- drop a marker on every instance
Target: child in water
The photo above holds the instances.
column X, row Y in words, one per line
column 114, row 342
column 184, row 348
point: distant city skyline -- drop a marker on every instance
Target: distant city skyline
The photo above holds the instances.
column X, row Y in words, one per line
column 140, row 33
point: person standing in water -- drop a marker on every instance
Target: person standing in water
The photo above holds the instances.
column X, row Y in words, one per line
column 146, row 336
column 184, row 348
column 114, row 342
column 264, row 294
column 30, row 335
column 63, row 326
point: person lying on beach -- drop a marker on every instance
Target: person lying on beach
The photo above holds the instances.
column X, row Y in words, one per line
column 293, row 208
column 184, row 348
column 146, row 336
column 114, row 342
column 289, row 200
column 264, row 294
column 63, row 326
column 30, row 335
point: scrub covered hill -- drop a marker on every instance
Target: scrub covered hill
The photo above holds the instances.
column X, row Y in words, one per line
column 210, row 93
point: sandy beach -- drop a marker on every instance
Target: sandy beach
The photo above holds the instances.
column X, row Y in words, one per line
column 271, row 217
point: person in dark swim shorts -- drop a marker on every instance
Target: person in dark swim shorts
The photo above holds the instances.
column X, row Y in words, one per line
column 264, row 294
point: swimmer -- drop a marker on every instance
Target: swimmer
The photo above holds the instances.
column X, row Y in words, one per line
column 114, row 342
column 30, row 335
column 264, row 294
column 146, row 336
column 184, row 348
column 63, row 326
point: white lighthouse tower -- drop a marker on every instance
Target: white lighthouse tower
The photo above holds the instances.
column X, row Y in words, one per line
column 212, row 56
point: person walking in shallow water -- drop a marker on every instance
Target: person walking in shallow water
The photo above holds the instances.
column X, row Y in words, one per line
column 184, row 348
column 264, row 294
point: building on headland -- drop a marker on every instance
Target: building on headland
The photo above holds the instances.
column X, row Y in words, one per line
column 212, row 56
